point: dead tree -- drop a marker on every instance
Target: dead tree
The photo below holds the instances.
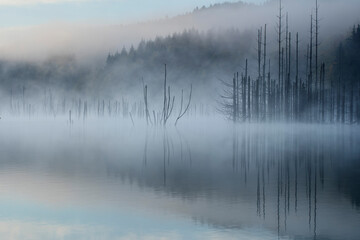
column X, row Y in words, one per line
column 287, row 45
column 264, row 78
column 296, row 95
column 234, row 99
column 237, row 96
column 316, row 50
column 229, row 102
column 279, row 41
column 310, row 100
column 165, row 99
column 169, row 107
column 181, row 112
column 248, row 101
column 287, row 83
column 282, row 84
column 338, row 98
column 147, row 114
column 244, row 91
column 343, row 104
column 168, row 102
column 280, row 62
column 270, row 103
column 322, row 91
column 332, row 101
column 351, row 100
column 257, row 84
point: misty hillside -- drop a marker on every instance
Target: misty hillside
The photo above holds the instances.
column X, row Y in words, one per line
column 191, row 56
column 91, row 42
column 200, row 47
column 190, row 49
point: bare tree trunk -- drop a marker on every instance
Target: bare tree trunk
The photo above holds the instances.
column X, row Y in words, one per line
column 332, row 102
column 351, row 110
column 257, row 86
column 282, row 87
column 264, row 78
column 279, row 43
column 322, row 92
column 296, row 95
column 244, row 91
column 288, row 83
column 269, row 95
column 343, row 104
column 338, row 113
column 164, row 108
column 249, row 104
column 287, row 45
column 234, row 99
column 182, row 113
column 310, row 102
column 316, row 54
column 237, row 97
column 358, row 105
column 147, row 115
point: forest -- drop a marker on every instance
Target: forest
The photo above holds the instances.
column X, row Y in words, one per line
column 249, row 77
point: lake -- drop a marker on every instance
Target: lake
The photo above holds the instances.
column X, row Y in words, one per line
column 205, row 179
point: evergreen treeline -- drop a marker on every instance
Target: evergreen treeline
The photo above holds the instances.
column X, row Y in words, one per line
column 190, row 49
column 192, row 56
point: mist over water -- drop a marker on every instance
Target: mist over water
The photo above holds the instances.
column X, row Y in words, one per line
column 102, row 178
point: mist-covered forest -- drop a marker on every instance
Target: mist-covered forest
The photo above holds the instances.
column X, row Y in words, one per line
column 247, row 75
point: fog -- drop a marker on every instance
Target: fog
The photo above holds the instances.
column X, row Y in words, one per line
column 91, row 42
column 70, row 59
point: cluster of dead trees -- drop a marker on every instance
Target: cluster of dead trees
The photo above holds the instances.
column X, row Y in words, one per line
column 291, row 97
column 80, row 108
column 168, row 106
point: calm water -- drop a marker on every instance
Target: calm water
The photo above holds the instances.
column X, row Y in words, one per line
column 204, row 180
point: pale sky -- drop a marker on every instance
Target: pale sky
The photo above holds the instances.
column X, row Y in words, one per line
column 37, row 12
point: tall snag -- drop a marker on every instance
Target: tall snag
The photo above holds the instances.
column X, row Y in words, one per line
column 181, row 112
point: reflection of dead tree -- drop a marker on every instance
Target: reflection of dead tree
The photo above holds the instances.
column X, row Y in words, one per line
column 146, row 148
column 70, row 120
column 181, row 138
column 132, row 120
column 182, row 113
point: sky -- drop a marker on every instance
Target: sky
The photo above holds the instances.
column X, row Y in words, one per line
column 18, row 13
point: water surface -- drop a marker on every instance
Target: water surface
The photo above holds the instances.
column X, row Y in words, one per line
column 206, row 179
